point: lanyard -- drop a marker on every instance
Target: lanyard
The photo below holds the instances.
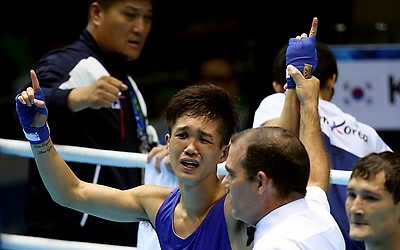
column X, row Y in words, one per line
column 140, row 122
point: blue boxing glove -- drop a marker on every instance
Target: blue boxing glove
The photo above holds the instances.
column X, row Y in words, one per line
column 302, row 54
column 27, row 114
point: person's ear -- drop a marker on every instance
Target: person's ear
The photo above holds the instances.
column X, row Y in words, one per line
column 263, row 182
column 277, row 87
column 224, row 154
column 331, row 81
column 326, row 92
column 167, row 137
column 95, row 13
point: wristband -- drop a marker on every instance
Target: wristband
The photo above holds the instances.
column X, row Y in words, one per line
column 37, row 135
column 302, row 54
column 27, row 114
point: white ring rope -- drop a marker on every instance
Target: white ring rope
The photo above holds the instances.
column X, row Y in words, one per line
column 116, row 158
column 94, row 156
column 78, row 154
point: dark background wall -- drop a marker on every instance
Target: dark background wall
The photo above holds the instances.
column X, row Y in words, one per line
column 251, row 32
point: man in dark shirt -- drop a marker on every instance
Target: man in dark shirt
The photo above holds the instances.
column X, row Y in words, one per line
column 94, row 103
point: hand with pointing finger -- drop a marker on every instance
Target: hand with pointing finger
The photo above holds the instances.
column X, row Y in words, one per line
column 32, row 112
column 302, row 53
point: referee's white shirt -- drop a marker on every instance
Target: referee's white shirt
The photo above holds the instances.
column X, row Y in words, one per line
column 302, row 224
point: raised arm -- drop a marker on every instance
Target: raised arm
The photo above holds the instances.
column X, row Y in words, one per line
column 301, row 54
column 62, row 184
column 310, row 129
column 301, row 58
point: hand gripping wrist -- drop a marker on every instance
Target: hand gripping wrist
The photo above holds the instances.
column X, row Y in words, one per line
column 26, row 115
column 299, row 53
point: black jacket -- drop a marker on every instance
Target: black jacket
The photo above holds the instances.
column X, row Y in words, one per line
column 59, row 72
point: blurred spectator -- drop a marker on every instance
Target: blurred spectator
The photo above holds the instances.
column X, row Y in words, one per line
column 215, row 66
column 220, row 69
column 95, row 103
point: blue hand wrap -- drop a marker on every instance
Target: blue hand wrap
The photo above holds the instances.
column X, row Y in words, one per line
column 300, row 52
column 26, row 116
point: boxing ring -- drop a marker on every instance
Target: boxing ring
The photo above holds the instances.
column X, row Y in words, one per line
column 94, row 156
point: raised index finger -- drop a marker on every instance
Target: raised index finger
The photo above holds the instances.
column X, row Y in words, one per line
column 35, row 81
column 314, row 27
